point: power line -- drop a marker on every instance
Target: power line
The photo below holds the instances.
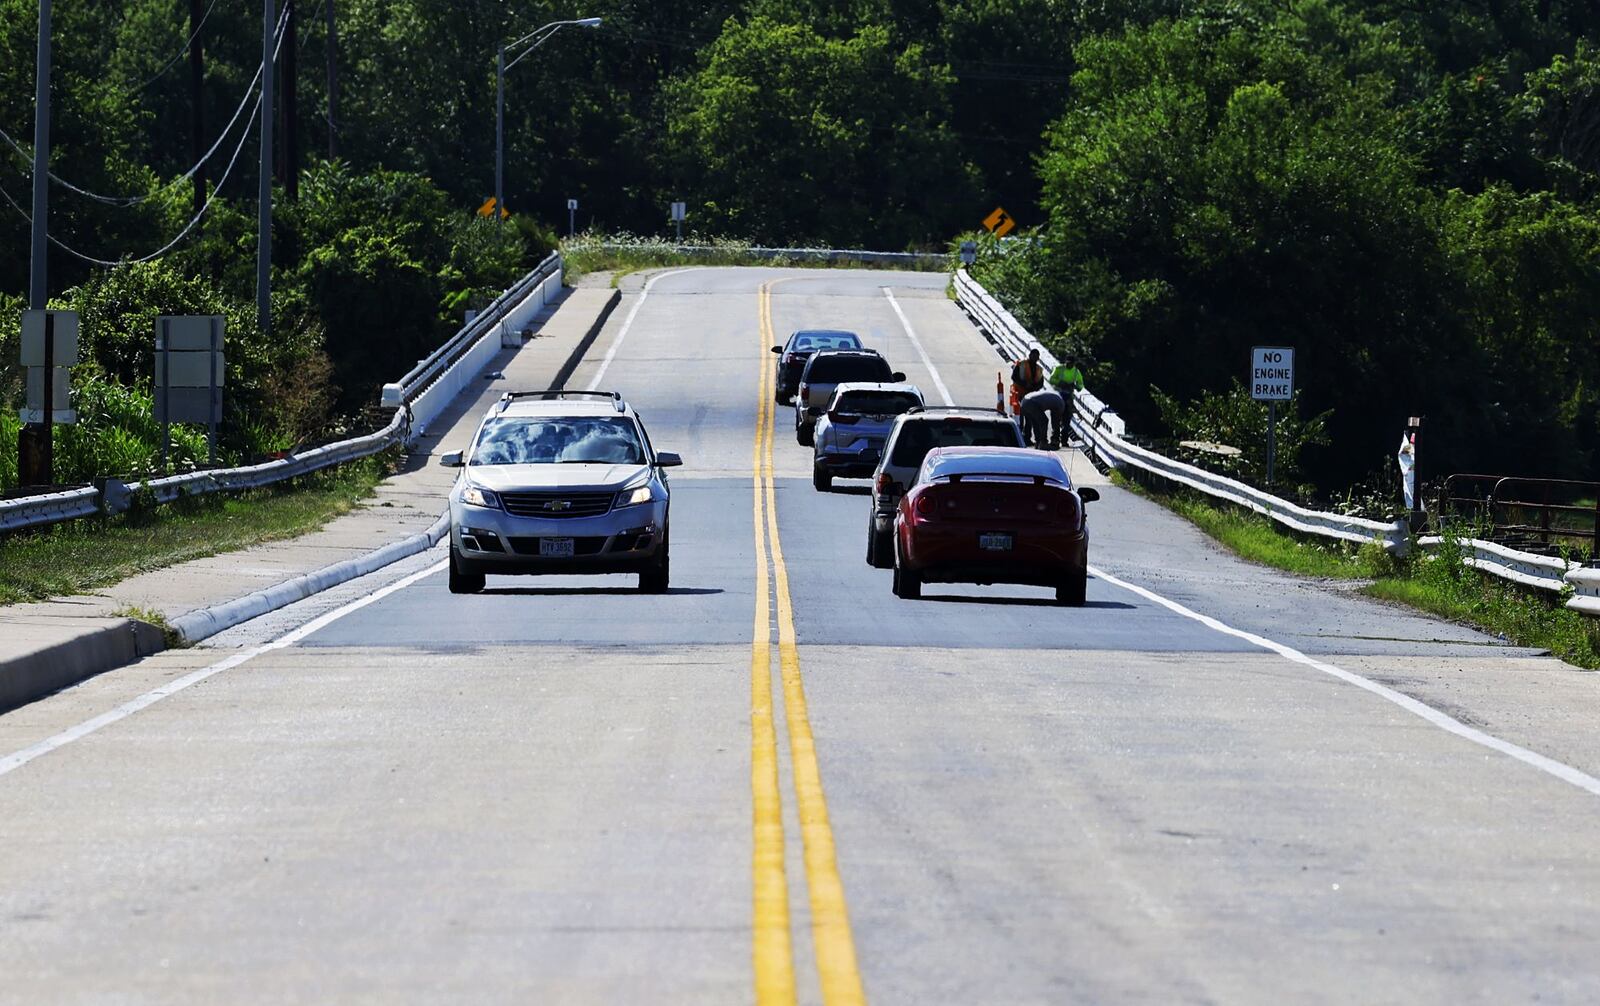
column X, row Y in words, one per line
column 182, row 51
column 193, row 221
column 129, row 201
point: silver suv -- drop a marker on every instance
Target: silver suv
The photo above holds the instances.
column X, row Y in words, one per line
column 910, row 439
column 849, row 435
column 559, row 482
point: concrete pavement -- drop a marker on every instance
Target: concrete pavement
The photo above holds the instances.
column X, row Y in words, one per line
column 553, row 791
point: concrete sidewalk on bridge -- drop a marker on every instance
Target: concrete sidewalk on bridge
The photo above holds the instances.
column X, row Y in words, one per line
column 49, row 645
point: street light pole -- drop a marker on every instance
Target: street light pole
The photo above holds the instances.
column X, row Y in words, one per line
column 537, row 37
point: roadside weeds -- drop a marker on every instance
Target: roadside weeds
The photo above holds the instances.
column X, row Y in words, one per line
column 83, row 555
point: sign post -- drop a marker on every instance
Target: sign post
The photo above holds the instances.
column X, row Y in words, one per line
column 49, row 347
column 1272, row 381
column 189, row 376
column 572, row 217
column 679, row 211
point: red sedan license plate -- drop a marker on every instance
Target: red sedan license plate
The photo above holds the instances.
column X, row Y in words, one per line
column 556, row 548
column 994, row 542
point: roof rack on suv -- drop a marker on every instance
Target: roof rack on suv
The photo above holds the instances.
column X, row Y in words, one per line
column 559, row 393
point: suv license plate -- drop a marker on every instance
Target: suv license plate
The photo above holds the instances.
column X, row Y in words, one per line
column 994, row 542
column 556, row 548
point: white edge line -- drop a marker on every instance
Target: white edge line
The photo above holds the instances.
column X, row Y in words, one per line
column 17, row 759
column 1566, row 773
column 938, row 382
column 627, row 323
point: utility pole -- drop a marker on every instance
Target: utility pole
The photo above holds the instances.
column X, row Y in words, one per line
column 291, row 106
column 197, row 120
column 499, row 137
column 38, row 286
column 264, row 190
column 333, row 82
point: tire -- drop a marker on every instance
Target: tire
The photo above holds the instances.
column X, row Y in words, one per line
column 658, row 577
column 821, row 480
column 805, row 434
column 907, row 583
column 463, row 583
column 880, row 547
column 1074, row 590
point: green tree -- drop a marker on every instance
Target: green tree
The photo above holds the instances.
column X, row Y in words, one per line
column 791, row 136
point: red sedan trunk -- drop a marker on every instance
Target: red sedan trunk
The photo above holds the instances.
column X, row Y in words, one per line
column 993, row 529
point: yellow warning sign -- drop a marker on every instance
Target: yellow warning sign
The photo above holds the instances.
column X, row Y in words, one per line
column 999, row 223
column 487, row 209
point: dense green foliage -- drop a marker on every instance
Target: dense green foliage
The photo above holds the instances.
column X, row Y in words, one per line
column 1405, row 192
column 1408, row 202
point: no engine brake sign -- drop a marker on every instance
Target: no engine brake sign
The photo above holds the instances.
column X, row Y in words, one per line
column 1272, row 373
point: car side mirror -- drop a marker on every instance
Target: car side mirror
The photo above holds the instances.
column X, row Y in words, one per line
column 777, row 349
column 897, row 375
column 667, row 459
column 451, row 459
column 1088, row 494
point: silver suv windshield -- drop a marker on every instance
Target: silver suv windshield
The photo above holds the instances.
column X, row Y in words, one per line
column 556, row 440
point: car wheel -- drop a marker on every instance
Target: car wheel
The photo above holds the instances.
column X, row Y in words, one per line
column 805, row 434
column 907, row 582
column 821, row 480
column 657, row 578
column 460, row 582
column 872, row 542
column 1074, row 590
column 882, row 548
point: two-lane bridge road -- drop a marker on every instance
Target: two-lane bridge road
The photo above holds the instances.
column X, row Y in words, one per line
column 778, row 782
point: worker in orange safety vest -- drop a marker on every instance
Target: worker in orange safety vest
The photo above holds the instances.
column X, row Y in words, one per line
column 1026, row 376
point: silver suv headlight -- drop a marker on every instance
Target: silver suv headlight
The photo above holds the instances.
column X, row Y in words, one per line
column 634, row 496
column 474, row 496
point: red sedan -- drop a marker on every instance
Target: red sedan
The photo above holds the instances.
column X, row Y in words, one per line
column 993, row 515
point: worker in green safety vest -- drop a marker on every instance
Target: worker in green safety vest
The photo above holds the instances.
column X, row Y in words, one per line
column 1068, row 380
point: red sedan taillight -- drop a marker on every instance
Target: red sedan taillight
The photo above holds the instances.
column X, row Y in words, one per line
column 924, row 505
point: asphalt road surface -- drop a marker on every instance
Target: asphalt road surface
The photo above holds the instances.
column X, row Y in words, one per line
column 778, row 782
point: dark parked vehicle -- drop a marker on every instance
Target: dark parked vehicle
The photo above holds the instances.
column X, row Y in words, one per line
column 993, row 515
column 825, row 371
column 795, row 353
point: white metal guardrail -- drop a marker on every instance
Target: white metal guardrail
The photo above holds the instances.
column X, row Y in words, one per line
column 1103, row 432
column 417, row 399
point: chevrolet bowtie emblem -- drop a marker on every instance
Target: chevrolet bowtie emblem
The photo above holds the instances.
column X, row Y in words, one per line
column 557, row 505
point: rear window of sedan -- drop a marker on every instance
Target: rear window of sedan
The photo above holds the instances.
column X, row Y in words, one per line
column 875, row 403
column 557, row 440
column 824, row 340
column 1018, row 465
column 825, row 369
column 918, row 437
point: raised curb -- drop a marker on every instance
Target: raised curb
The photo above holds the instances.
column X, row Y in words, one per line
column 203, row 623
column 114, row 642
column 567, row 369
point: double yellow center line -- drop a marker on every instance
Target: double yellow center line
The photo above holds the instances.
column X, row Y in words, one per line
column 773, row 952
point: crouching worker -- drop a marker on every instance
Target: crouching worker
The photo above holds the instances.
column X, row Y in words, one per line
column 1044, row 417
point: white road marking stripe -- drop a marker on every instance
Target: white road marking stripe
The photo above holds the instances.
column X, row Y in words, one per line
column 17, row 759
column 1566, row 773
column 627, row 323
column 938, row 382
